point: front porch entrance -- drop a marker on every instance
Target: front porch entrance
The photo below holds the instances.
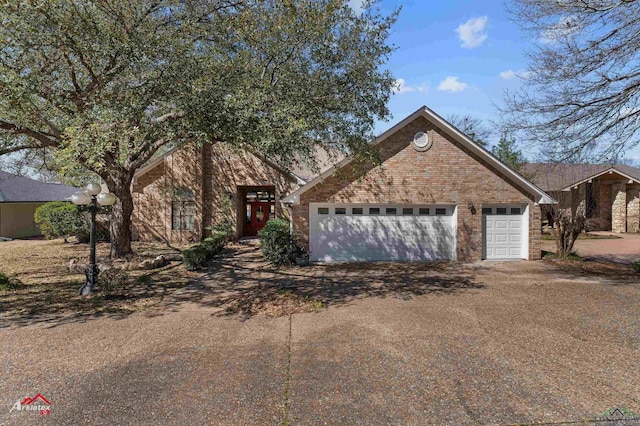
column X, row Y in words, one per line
column 259, row 206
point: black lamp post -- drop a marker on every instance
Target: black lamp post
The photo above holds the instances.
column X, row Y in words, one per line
column 92, row 200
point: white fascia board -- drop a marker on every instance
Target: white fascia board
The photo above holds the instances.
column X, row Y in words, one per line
column 542, row 197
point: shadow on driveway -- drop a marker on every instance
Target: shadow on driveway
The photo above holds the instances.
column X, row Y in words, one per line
column 238, row 284
column 242, row 280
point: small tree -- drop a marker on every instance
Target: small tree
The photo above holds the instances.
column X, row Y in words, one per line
column 567, row 227
column 507, row 151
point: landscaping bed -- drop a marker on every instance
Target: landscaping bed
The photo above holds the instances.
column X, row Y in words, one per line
column 46, row 276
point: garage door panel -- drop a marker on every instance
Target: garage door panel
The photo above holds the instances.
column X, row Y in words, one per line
column 500, row 251
column 501, row 224
column 370, row 238
column 503, row 236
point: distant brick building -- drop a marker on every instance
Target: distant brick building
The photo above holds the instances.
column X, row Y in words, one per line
column 436, row 195
column 609, row 194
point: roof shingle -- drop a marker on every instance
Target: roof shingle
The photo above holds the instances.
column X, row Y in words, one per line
column 19, row 189
column 556, row 176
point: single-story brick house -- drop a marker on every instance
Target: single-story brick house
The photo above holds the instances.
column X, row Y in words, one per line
column 190, row 188
column 434, row 195
column 20, row 197
column 609, row 194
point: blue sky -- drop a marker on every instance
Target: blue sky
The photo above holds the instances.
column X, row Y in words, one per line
column 456, row 57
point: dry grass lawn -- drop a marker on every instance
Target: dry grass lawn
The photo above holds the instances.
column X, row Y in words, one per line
column 49, row 287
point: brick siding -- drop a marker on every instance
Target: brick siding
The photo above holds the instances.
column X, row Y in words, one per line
column 445, row 174
column 231, row 171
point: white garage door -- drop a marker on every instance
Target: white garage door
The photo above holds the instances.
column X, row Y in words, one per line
column 505, row 231
column 370, row 232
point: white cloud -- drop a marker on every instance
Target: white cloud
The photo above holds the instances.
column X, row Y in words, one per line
column 452, row 84
column 357, row 6
column 509, row 74
column 473, row 32
column 401, row 87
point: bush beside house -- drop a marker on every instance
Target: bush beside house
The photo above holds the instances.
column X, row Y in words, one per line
column 197, row 256
column 61, row 219
column 275, row 241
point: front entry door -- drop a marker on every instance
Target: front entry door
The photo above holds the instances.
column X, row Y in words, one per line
column 259, row 216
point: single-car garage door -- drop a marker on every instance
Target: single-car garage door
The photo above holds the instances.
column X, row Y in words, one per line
column 370, row 232
column 505, row 231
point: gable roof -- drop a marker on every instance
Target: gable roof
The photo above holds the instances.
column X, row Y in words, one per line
column 156, row 161
column 562, row 176
column 449, row 129
column 20, row 189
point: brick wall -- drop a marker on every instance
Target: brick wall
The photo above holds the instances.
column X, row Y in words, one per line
column 445, row 174
column 231, row 170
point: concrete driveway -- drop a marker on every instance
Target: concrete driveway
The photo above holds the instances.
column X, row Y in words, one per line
column 517, row 342
column 622, row 250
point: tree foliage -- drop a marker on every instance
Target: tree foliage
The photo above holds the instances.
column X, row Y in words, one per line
column 473, row 127
column 507, row 151
column 581, row 94
column 102, row 85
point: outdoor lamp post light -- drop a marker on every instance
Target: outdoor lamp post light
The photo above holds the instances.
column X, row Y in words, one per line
column 92, row 200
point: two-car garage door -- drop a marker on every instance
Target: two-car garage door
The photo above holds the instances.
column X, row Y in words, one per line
column 371, row 232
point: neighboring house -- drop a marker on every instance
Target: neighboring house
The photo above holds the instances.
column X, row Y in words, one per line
column 436, row 195
column 610, row 194
column 19, row 199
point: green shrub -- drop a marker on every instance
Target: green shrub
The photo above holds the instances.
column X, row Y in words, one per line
column 636, row 266
column 9, row 282
column 275, row 241
column 224, row 227
column 113, row 280
column 195, row 257
column 215, row 243
column 60, row 219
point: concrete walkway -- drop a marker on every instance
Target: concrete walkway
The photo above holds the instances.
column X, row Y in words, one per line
column 520, row 342
column 621, row 250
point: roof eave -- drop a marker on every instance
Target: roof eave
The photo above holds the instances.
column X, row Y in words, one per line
column 430, row 115
column 597, row 175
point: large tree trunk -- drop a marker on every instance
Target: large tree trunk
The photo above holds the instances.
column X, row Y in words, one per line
column 121, row 214
column 207, row 189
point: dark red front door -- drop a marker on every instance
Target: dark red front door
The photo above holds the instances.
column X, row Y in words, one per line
column 259, row 216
